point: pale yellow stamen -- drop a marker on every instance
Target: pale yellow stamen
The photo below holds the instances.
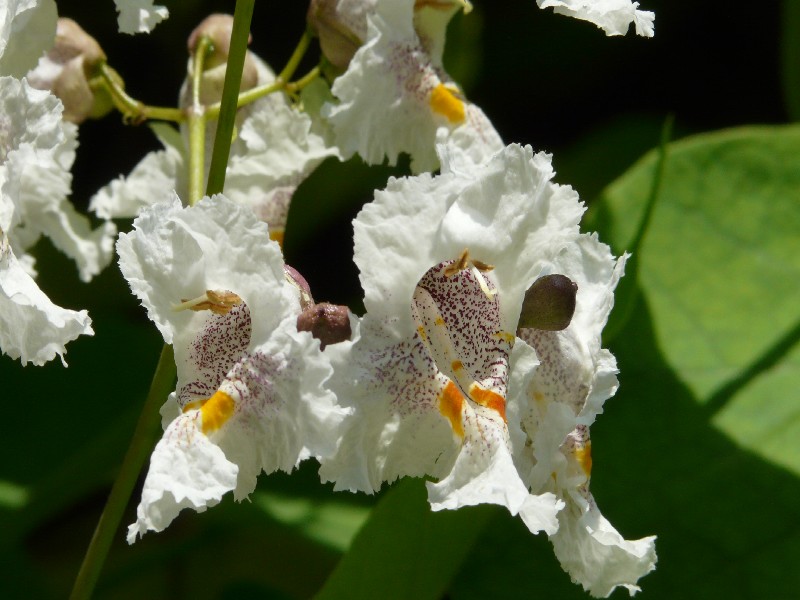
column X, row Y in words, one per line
column 219, row 302
column 482, row 282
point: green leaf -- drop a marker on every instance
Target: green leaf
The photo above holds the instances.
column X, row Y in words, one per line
column 333, row 523
column 405, row 550
column 720, row 267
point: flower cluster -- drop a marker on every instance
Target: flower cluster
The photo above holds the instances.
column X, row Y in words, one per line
column 478, row 363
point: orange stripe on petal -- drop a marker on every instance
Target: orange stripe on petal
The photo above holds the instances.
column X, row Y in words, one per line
column 216, row 411
column 277, row 236
column 584, row 457
column 446, row 103
column 451, row 403
column 489, row 399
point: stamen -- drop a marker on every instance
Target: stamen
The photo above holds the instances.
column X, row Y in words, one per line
column 218, row 302
column 460, row 264
column 482, row 282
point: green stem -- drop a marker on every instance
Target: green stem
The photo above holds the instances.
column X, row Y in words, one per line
column 296, row 57
column 255, row 93
column 197, row 125
column 132, row 109
column 242, row 16
column 298, row 85
column 249, row 96
column 143, row 437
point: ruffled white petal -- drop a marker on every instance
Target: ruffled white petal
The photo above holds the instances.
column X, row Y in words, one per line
column 275, row 151
column 152, row 180
column 27, row 30
column 32, row 328
column 595, row 554
column 139, row 16
column 612, row 16
column 484, row 473
column 186, row 471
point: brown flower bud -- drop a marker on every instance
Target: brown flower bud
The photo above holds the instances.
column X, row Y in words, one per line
column 549, row 303
column 329, row 323
column 218, row 28
column 66, row 69
column 340, row 33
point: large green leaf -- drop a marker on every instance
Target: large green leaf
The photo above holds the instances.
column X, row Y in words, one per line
column 720, row 266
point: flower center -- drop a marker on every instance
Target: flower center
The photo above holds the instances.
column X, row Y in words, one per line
column 456, row 309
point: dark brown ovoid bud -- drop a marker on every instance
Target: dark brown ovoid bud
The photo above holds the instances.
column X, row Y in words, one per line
column 218, row 28
column 329, row 323
column 66, row 69
column 549, row 303
column 294, row 277
column 340, row 33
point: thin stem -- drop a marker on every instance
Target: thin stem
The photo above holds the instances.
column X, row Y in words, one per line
column 141, row 444
column 296, row 57
column 197, row 125
column 255, row 93
column 298, row 85
column 132, row 109
column 248, row 96
column 242, row 16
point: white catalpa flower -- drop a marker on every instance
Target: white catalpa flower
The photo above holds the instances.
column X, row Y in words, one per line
column 139, row 16
column 612, row 16
column 276, row 149
column 36, row 153
column 445, row 263
column 249, row 396
column 27, row 30
column 556, row 407
column 395, row 94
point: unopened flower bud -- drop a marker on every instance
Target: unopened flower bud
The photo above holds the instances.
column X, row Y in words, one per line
column 66, row 70
column 294, row 277
column 340, row 32
column 549, row 303
column 218, row 29
column 329, row 323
